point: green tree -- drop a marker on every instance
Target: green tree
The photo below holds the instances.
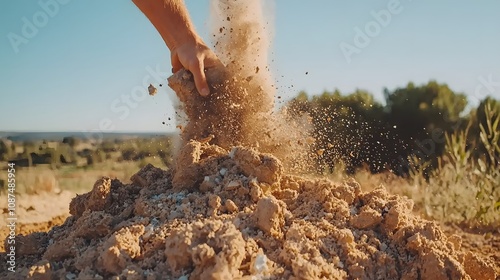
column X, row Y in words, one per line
column 425, row 107
column 356, row 129
column 422, row 115
column 344, row 126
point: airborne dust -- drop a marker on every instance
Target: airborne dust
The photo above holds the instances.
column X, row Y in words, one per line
column 240, row 110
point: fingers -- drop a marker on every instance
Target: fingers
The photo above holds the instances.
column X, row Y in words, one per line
column 200, row 80
column 176, row 63
column 195, row 58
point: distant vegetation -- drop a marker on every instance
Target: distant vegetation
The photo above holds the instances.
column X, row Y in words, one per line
column 74, row 163
column 78, row 152
column 423, row 133
column 356, row 130
column 448, row 152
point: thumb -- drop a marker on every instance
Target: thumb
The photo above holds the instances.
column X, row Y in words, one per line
column 200, row 79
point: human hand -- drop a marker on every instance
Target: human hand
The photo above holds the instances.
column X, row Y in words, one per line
column 195, row 57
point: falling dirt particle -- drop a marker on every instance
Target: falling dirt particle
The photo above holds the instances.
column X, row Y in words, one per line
column 256, row 69
column 320, row 152
column 307, row 73
column 160, row 85
column 162, row 122
column 152, row 90
column 228, row 19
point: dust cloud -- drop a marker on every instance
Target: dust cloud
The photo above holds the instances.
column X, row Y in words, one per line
column 240, row 110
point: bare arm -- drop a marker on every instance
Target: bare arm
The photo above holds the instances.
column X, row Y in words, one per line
column 171, row 19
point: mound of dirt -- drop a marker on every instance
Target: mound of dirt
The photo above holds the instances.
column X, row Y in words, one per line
column 234, row 214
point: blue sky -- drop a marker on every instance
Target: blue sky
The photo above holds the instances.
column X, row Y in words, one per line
column 82, row 66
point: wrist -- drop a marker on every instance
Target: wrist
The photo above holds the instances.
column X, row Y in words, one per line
column 184, row 38
column 193, row 42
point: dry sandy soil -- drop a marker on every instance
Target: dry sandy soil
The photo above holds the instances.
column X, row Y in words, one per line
column 38, row 212
column 235, row 214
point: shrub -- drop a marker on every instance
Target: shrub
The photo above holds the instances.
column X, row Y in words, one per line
column 465, row 189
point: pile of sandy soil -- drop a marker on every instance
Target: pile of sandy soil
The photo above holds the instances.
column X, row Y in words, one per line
column 235, row 214
column 35, row 212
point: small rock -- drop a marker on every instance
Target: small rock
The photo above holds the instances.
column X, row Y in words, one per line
column 231, row 206
column 232, row 185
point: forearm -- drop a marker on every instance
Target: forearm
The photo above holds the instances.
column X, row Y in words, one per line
column 171, row 19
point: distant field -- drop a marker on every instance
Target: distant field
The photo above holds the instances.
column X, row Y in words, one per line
column 57, row 136
column 48, row 162
column 32, row 180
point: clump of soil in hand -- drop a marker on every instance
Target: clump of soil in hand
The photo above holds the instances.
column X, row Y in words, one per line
column 232, row 116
